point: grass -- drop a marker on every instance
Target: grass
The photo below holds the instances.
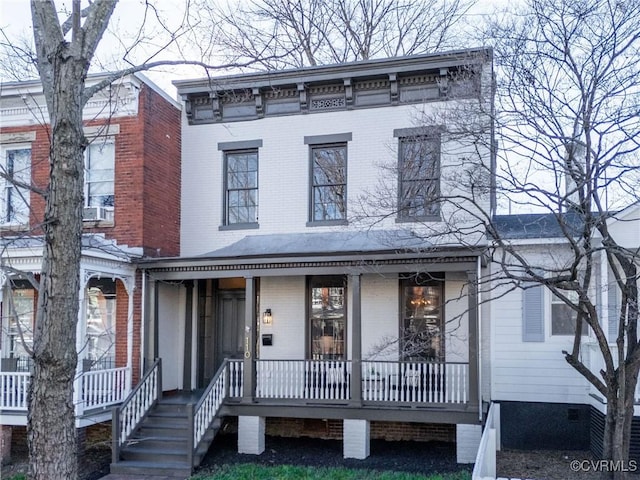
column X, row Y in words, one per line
column 291, row 472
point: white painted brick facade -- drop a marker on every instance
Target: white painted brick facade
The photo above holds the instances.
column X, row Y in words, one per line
column 467, row 442
column 251, row 431
column 356, row 439
column 284, row 169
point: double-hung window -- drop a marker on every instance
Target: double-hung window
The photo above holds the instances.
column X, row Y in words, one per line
column 99, row 185
column 15, row 166
column 241, row 187
column 329, row 183
column 419, row 176
column 563, row 317
column 327, row 317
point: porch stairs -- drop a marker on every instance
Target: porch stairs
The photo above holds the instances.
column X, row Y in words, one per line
column 160, row 446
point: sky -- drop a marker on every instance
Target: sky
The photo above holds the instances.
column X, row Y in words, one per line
column 15, row 20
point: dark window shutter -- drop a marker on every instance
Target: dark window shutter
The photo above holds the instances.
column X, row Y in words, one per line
column 533, row 314
column 613, row 302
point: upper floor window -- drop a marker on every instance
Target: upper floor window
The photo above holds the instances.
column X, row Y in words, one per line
column 99, row 187
column 419, row 177
column 241, row 187
column 15, row 166
column 329, row 183
column 563, row 317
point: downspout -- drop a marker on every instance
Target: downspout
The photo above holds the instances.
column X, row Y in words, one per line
column 143, row 320
column 479, row 334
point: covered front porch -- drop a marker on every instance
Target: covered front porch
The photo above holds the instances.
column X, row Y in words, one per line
column 322, row 320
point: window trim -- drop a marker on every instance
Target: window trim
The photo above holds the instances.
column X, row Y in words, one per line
column 555, row 300
column 225, row 190
column 85, row 188
column 312, row 186
column 432, row 134
column 328, row 281
column 6, row 184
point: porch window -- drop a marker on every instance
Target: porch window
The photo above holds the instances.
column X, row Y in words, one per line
column 99, row 189
column 327, row 317
column 15, row 165
column 20, row 310
column 101, row 324
column 563, row 317
column 329, row 183
column 422, row 328
column 241, row 187
column 419, row 177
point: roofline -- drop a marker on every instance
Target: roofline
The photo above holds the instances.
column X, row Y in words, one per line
column 172, row 262
column 330, row 72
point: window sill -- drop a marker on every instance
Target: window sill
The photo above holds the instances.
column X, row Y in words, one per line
column 14, row 227
column 428, row 218
column 97, row 223
column 239, row 226
column 326, row 223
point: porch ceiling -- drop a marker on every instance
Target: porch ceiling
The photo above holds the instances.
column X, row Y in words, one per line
column 323, row 252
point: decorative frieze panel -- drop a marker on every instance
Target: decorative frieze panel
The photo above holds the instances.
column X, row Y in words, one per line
column 349, row 93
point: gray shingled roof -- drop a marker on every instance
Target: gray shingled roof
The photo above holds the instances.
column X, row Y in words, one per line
column 322, row 243
column 536, row 225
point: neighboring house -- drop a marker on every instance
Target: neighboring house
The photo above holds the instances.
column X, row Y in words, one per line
column 544, row 402
column 132, row 210
column 293, row 312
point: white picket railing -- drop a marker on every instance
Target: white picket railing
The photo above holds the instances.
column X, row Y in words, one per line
column 102, row 388
column 236, row 372
column 416, row 382
column 138, row 403
column 13, row 390
column 207, row 407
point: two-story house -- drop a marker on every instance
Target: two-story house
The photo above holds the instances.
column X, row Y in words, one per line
column 131, row 210
column 297, row 303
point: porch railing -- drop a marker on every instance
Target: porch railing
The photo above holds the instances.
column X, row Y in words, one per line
column 13, row 390
column 102, row 388
column 382, row 381
column 133, row 410
column 225, row 383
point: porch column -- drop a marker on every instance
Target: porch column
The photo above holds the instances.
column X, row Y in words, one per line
column 81, row 330
column 356, row 340
column 130, row 286
column 188, row 334
column 249, row 375
column 472, row 289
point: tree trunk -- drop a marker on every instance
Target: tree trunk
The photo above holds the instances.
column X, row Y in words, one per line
column 51, row 422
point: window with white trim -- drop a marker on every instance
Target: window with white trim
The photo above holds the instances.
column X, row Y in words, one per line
column 15, row 166
column 99, row 180
column 100, row 298
column 563, row 317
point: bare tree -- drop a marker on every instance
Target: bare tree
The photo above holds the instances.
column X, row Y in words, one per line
column 567, row 108
column 298, row 33
column 64, row 51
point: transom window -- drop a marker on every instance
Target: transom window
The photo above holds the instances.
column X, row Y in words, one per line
column 329, row 183
column 327, row 317
column 563, row 317
column 241, row 184
column 99, row 185
column 16, row 166
column 419, row 177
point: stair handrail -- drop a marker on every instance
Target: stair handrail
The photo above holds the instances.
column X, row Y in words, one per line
column 132, row 411
column 206, row 410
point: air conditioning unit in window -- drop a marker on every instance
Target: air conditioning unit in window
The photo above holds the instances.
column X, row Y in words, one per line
column 94, row 214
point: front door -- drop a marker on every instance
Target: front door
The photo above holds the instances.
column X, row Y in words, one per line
column 231, row 304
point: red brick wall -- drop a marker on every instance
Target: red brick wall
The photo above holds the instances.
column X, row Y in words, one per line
column 332, row 429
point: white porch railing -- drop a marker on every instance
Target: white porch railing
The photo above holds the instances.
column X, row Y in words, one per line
column 13, row 390
column 236, row 372
column 102, row 388
column 382, row 381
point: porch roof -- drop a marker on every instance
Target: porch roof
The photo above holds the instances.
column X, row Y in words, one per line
column 322, row 243
column 335, row 252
